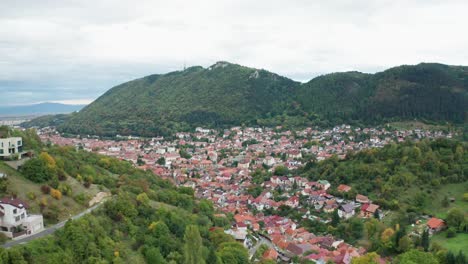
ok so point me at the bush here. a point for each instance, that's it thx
(65, 189)
(451, 232)
(3, 238)
(80, 198)
(45, 189)
(31, 196)
(56, 194)
(465, 197)
(61, 175)
(39, 169)
(43, 203)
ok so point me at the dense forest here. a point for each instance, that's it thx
(226, 94)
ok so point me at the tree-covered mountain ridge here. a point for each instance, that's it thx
(227, 94)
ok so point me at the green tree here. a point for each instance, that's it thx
(369, 258)
(161, 161)
(455, 218)
(193, 246)
(153, 255)
(425, 240)
(404, 244)
(37, 170)
(335, 218)
(281, 170)
(445, 201)
(233, 253)
(415, 257)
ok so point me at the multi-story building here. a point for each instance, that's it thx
(11, 146)
(15, 220)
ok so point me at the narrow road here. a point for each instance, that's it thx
(51, 229)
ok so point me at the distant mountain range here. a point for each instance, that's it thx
(39, 109)
(227, 94)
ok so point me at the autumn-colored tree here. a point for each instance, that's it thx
(55, 194)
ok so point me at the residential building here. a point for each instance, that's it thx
(435, 225)
(346, 211)
(11, 146)
(15, 220)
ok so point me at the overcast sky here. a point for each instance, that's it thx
(73, 51)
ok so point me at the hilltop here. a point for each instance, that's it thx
(227, 94)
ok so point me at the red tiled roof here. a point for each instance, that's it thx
(270, 254)
(435, 223)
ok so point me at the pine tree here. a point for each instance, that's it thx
(425, 240)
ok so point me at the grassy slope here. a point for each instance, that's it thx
(460, 242)
(67, 205)
(455, 244)
(434, 207)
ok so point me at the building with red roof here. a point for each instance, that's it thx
(435, 225)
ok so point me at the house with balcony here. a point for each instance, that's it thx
(11, 146)
(15, 221)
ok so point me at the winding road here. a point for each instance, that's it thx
(51, 229)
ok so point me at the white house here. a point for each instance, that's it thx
(269, 161)
(346, 211)
(15, 220)
(10, 146)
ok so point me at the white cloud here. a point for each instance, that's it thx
(64, 50)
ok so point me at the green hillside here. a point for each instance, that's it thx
(227, 94)
(224, 94)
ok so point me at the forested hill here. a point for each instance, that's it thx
(224, 94)
(433, 92)
(227, 94)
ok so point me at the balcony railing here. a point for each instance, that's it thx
(17, 234)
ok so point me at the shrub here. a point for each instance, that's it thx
(56, 194)
(43, 203)
(45, 189)
(451, 232)
(65, 189)
(61, 175)
(3, 238)
(31, 196)
(80, 198)
(465, 197)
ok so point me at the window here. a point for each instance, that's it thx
(1, 151)
(19, 143)
(17, 218)
(15, 211)
(22, 216)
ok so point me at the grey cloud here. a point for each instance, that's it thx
(77, 49)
